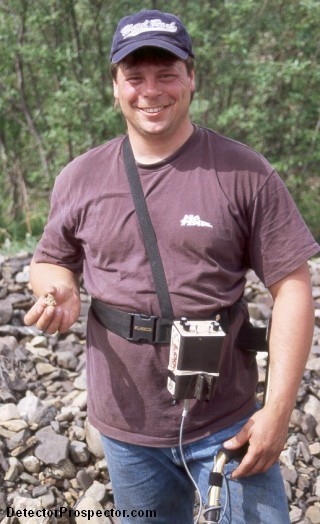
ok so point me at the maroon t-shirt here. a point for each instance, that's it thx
(218, 209)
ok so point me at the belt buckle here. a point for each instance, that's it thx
(143, 328)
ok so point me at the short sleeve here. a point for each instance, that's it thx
(58, 244)
(279, 238)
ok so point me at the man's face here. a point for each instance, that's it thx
(154, 96)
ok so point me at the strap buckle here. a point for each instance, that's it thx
(150, 329)
(142, 328)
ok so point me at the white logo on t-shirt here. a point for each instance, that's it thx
(194, 220)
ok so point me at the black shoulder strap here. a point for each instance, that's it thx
(149, 236)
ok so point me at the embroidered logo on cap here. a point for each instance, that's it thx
(131, 30)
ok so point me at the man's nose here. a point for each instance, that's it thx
(151, 87)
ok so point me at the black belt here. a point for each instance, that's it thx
(138, 327)
(135, 327)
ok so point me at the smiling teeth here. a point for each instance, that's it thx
(153, 109)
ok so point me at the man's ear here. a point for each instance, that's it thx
(192, 85)
(193, 81)
(115, 90)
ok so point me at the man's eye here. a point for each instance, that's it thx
(134, 79)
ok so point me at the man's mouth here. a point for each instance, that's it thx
(152, 109)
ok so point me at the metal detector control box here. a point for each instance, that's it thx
(194, 361)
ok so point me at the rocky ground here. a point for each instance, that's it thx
(51, 458)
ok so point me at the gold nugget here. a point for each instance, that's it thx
(49, 300)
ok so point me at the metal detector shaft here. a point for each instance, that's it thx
(213, 512)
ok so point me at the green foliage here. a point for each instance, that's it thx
(258, 81)
(260, 84)
(12, 247)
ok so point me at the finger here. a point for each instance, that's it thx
(46, 318)
(55, 321)
(253, 464)
(238, 440)
(34, 314)
(246, 467)
(61, 322)
(66, 322)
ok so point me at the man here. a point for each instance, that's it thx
(218, 208)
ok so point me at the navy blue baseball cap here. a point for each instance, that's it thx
(150, 28)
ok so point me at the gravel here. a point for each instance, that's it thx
(51, 458)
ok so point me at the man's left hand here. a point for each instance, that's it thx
(266, 433)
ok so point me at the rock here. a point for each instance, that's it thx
(29, 479)
(296, 418)
(317, 487)
(314, 448)
(85, 481)
(295, 515)
(308, 425)
(28, 406)
(23, 276)
(3, 503)
(44, 368)
(94, 442)
(3, 462)
(15, 468)
(67, 359)
(80, 400)
(304, 483)
(97, 491)
(8, 342)
(79, 452)
(288, 490)
(30, 506)
(52, 448)
(89, 504)
(313, 514)
(43, 417)
(81, 381)
(9, 412)
(313, 364)
(302, 450)
(31, 464)
(288, 457)
(48, 499)
(21, 442)
(289, 474)
(65, 469)
(39, 341)
(6, 312)
(67, 413)
(77, 433)
(312, 406)
(14, 425)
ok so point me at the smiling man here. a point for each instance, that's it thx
(154, 91)
(217, 208)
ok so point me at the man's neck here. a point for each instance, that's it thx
(153, 149)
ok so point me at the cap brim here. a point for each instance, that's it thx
(162, 44)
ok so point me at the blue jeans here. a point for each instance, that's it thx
(145, 478)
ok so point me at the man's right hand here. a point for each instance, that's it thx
(55, 318)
